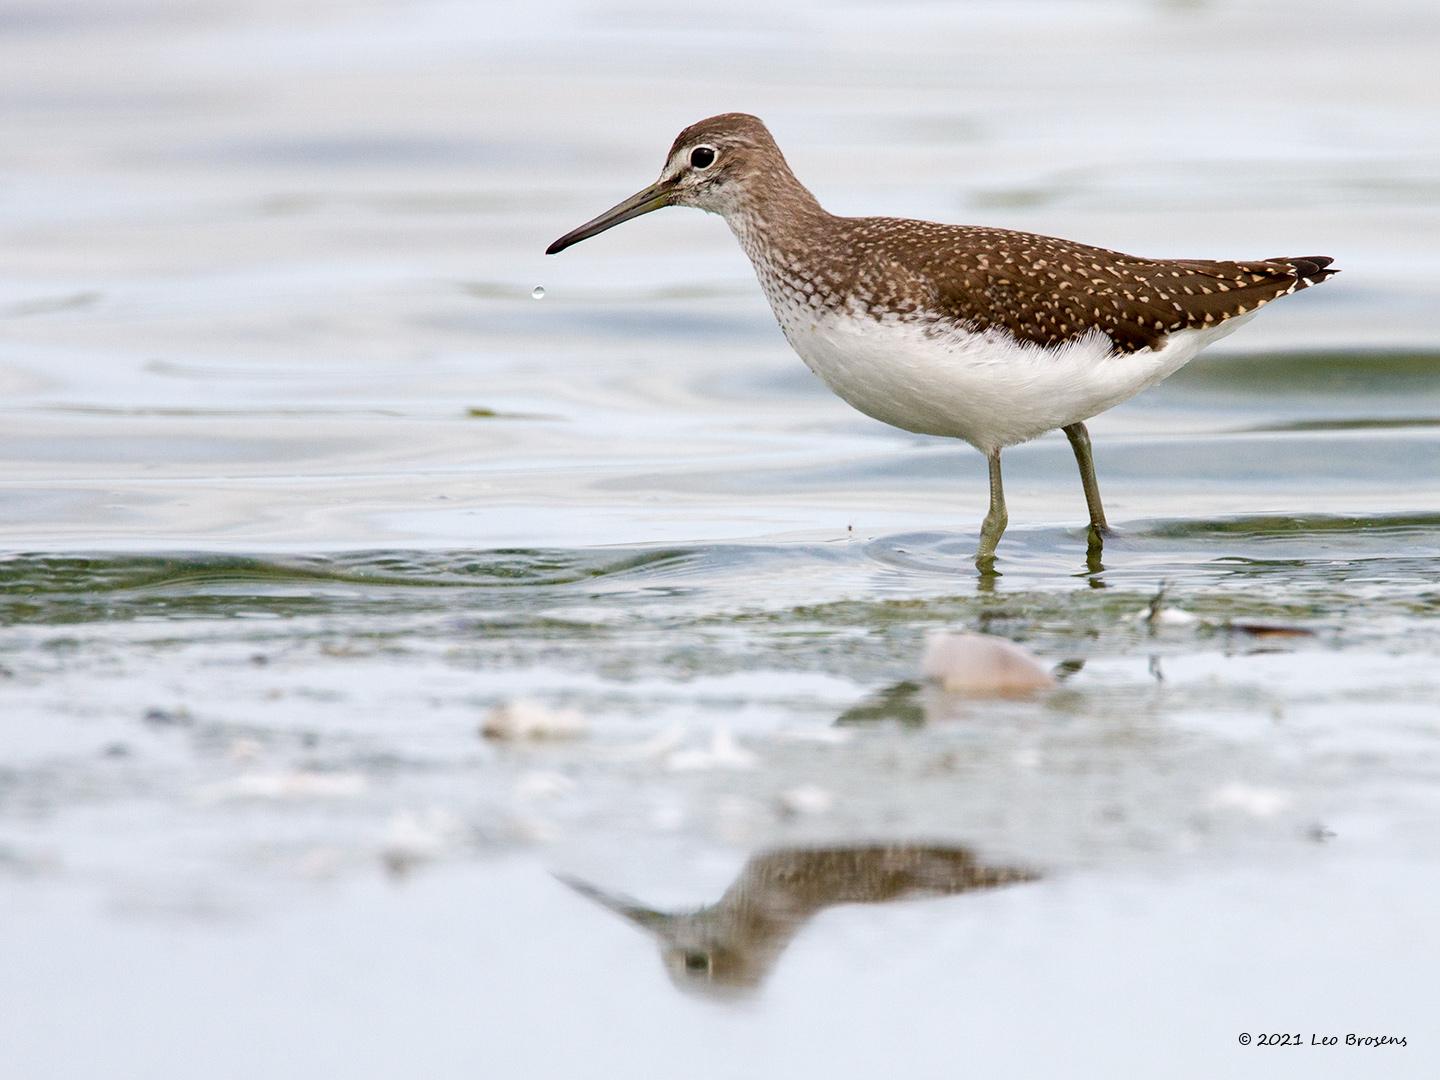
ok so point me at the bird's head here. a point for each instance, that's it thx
(713, 165)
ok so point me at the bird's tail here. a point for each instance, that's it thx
(1308, 269)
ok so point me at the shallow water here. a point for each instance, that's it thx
(298, 482)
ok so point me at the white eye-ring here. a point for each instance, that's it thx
(702, 157)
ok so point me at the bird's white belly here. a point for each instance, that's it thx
(986, 388)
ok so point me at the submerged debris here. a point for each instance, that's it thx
(1166, 616)
(982, 664)
(244, 749)
(805, 801)
(1155, 614)
(301, 784)
(535, 786)
(656, 746)
(1258, 802)
(668, 747)
(410, 838)
(512, 721)
(178, 717)
(723, 753)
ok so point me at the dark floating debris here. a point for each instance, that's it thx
(484, 412)
(1255, 629)
(1157, 614)
(179, 717)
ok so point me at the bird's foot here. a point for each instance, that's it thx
(985, 564)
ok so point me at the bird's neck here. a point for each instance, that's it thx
(777, 220)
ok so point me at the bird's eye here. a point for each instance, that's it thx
(702, 157)
(697, 962)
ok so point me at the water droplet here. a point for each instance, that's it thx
(538, 292)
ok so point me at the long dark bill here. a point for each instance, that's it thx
(642, 202)
(643, 917)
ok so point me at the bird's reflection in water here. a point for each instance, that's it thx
(729, 948)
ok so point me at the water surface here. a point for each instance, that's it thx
(298, 483)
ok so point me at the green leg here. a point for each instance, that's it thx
(995, 520)
(1080, 443)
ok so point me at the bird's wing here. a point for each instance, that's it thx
(1047, 291)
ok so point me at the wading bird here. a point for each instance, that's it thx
(981, 334)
